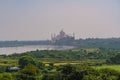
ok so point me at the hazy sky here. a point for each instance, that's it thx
(37, 19)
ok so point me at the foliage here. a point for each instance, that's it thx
(32, 67)
(3, 69)
(75, 54)
(109, 74)
(114, 67)
(25, 60)
(67, 69)
(114, 60)
(6, 76)
(55, 76)
(30, 72)
(99, 42)
(82, 72)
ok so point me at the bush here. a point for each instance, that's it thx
(6, 76)
(30, 72)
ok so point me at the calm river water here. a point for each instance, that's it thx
(21, 49)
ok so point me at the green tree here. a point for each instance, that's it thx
(51, 66)
(30, 72)
(114, 60)
(6, 76)
(67, 69)
(109, 74)
(92, 77)
(53, 76)
(25, 60)
(82, 71)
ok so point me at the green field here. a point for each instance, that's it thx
(115, 67)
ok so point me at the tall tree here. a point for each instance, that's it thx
(25, 60)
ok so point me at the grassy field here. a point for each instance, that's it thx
(63, 62)
(8, 62)
(115, 67)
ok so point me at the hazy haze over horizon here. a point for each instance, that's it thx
(38, 19)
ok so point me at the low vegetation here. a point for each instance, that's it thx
(75, 64)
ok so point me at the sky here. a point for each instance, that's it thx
(38, 19)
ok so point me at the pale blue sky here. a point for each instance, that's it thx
(37, 19)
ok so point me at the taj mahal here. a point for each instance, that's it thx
(62, 36)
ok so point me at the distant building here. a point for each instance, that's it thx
(62, 37)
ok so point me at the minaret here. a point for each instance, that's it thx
(51, 36)
(74, 35)
(54, 35)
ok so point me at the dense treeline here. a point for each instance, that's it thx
(75, 54)
(97, 42)
(81, 43)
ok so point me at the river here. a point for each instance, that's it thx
(21, 49)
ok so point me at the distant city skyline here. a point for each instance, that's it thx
(38, 19)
